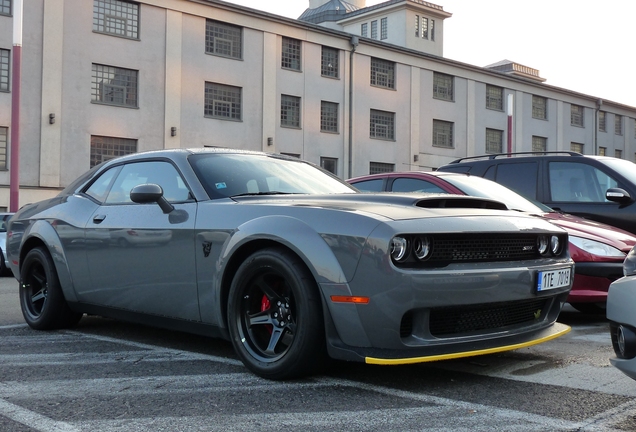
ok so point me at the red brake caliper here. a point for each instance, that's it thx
(265, 305)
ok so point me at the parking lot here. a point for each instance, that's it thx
(111, 376)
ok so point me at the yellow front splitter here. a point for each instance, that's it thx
(558, 330)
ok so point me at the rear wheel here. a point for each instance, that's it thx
(41, 299)
(275, 316)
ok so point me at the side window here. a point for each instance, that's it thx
(99, 189)
(520, 177)
(375, 185)
(577, 182)
(415, 185)
(161, 173)
(490, 172)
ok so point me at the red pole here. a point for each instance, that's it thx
(16, 79)
(509, 112)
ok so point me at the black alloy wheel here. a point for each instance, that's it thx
(275, 316)
(41, 298)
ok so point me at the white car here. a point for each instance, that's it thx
(621, 303)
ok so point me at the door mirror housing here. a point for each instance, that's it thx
(618, 195)
(150, 193)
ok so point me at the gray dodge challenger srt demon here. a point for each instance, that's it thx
(289, 263)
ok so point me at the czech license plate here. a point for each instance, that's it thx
(553, 279)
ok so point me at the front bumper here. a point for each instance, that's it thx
(621, 301)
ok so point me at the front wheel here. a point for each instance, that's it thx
(41, 299)
(275, 316)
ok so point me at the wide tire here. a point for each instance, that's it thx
(275, 316)
(41, 299)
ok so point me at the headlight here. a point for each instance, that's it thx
(399, 248)
(629, 265)
(555, 245)
(596, 248)
(422, 247)
(542, 244)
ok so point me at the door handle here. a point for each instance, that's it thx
(99, 218)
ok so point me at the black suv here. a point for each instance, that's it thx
(595, 187)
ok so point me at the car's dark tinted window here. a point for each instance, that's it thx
(520, 177)
(490, 172)
(578, 182)
(461, 168)
(374, 185)
(414, 185)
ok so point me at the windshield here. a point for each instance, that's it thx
(480, 187)
(624, 167)
(230, 175)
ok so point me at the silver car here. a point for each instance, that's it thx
(4, 260)
(289, 263)
(621, 304)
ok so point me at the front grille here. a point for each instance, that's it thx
(453, 321)
(492, 247)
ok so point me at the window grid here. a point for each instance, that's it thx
(382, 73)
(384, 28)
(494, 141)
(618, 154)
(494, 98)
(576, 115)
(364, 29)
(290, 111)
(291, 54)
(116, 17)
(432, 29)
(443, 86)
(330, 62)
(424, 28)
(374, 29)
(442, 134)
(618, 124)
(380, 167)
(539, 144)
(222, 101)
(602, 151)
(382, 125)
(223, 39)
(104, 148)
(330, 164)
(4, 141)
(417, 26)
(4, 70)
(5, 7)
(539, 107)
(113, 85)
(602, 121)
(328, 116)
(576, 147)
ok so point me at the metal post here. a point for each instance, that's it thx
(509, 111)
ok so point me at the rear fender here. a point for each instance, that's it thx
(42, 233)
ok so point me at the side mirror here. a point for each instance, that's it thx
(618, 195)
(150, 193)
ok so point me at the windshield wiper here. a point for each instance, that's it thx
(263, 193)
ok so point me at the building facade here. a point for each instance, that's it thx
(357, 90)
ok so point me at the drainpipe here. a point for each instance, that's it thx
(599, 103)
(354, 44)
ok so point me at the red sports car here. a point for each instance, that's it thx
(597, 249)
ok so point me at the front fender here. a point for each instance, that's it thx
(41, 232)
(297, 236)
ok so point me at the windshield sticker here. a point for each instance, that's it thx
(221, 185)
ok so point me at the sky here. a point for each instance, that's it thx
(583, 46)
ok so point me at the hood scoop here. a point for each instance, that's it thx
(461, 202)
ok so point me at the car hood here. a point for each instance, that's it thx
(589, 229)
(387, 205)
